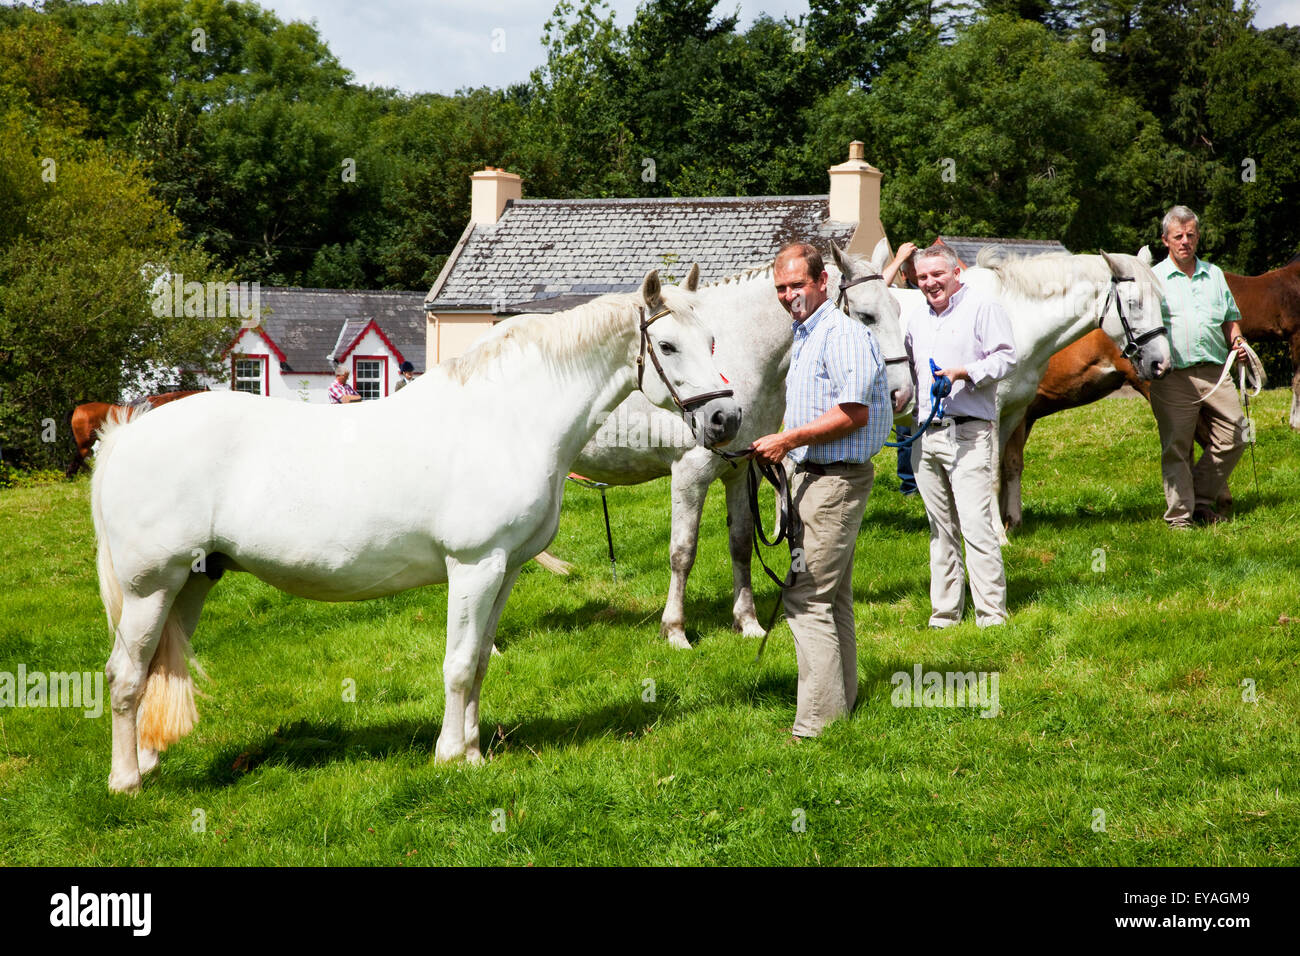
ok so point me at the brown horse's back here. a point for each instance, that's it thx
(1269, 304)
(86, 420)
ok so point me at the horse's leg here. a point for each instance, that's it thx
(1013, 466)
(689, 489)
(472, 751)
(472, 590)
(185, 611)
(740, 538)
(1004, 438)
(138, 631)
(1295, 381)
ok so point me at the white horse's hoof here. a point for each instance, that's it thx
(751, 628)
(473, 757)
(676, 637)
(443, 754)
(148, 760)
(124, 783)
(495, 652)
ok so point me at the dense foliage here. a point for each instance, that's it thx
(245, 144)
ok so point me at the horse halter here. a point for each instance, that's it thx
(1133, 341)
(647, 345)
(842, 302)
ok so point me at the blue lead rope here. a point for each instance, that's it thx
(940, 390)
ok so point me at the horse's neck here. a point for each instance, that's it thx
(748, 310)
(561, 403)
(1044, 327)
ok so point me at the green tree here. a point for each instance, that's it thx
(81, 241)
(1007, 132)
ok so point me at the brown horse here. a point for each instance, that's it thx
(86, 420)
(1093, 367)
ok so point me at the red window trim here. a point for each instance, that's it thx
(383, 362)
(266, 370)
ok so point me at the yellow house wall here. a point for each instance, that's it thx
(448, 336)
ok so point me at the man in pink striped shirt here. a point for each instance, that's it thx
(341, 393)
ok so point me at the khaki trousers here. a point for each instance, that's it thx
(1180, 405)
(819, 605)
(954, 467)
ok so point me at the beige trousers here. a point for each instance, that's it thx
(954, 467)
(819, 604)
(1179, 403)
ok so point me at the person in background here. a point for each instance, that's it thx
(341, 393)
(906, 479)
(1204, 326)
(408, 375)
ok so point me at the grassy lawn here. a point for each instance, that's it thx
(1125, 734)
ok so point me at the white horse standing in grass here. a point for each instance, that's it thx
(753, 352)
(457, 478)
(1053, 300)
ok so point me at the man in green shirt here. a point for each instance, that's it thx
(1202, 319)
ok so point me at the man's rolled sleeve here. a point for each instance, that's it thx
(852, 368)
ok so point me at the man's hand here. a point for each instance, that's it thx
(1236, 342)
(772, 448)
(954, 375)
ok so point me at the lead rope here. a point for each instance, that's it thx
(789, 528)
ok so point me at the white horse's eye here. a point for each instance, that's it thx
(667, 348)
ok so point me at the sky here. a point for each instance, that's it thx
(440, 46)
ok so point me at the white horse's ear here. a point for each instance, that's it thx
(651, 291)
(1144, 256)
(692, 278)
(1112, 264)
(880, 255)
(842, 260)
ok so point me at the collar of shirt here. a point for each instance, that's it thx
(953, 302)
(1169, 268)
(806, 327)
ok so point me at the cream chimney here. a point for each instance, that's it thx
(490, 188)
(855, 197)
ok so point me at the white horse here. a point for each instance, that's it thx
(753, 352)
(1053, 300)
(457, 478)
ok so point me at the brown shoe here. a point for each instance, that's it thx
(1207, 516)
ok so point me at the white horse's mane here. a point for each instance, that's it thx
(758, 272)
(1049, 274)
(583, 328)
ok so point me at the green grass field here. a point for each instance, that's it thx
(1126, 735)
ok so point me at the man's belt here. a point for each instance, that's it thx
(822, 469)
(964, 419)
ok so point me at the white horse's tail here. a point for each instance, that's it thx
(110, 589)
(167, 712)
(553, 564)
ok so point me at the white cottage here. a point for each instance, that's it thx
(305, 333)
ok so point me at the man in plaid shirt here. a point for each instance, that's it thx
(340, 392)
(837, 417)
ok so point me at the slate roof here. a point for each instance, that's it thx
(580, 248)
(968, 247)
(312, 325)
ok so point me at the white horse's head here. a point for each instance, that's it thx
(1132, 315)
(863, 294)
(676, 361)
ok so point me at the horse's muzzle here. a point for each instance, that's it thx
(717, 421)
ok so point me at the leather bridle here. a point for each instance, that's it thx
(1133, 341)
(842, 303)
(647, 345)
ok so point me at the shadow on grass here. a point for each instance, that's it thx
(310, 743)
